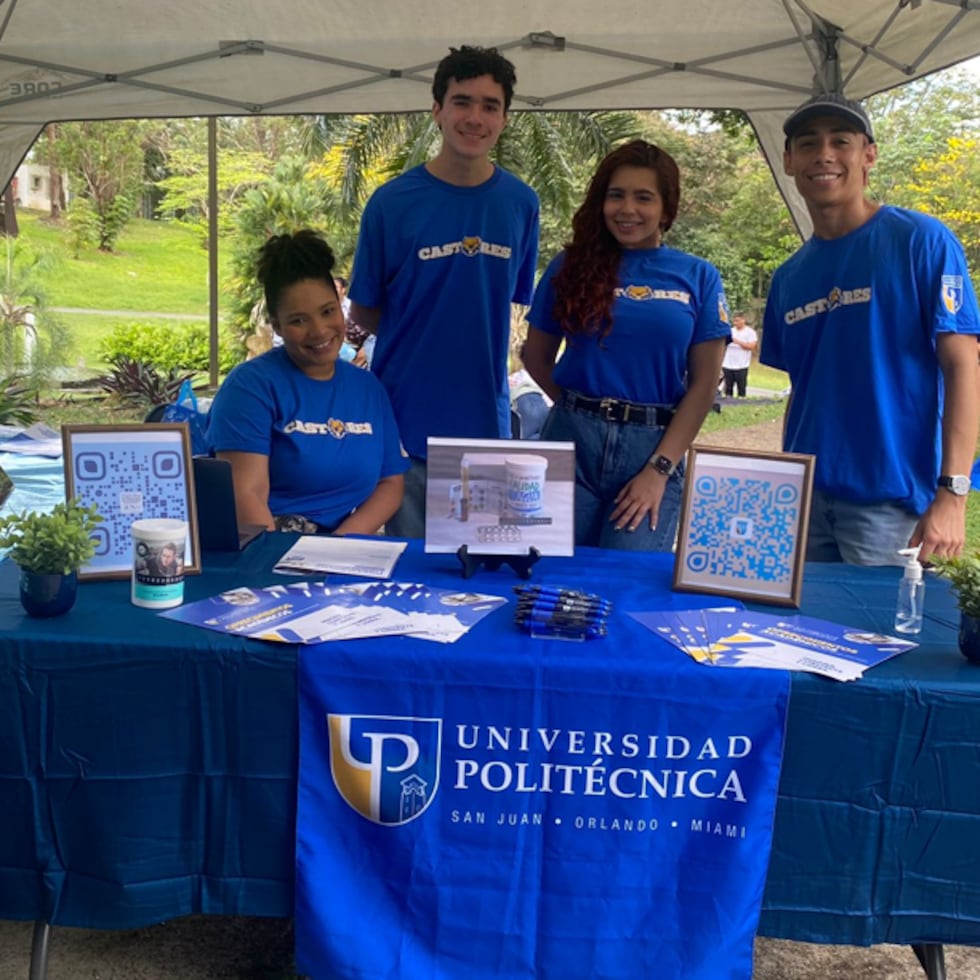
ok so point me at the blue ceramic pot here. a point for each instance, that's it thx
(970, 638)
(44, 595)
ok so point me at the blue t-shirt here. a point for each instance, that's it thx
(444, 263)
(328, 442)
(666, 302)
(853, 320)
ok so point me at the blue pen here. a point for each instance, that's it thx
(554, 591)
(588, 634)
(548, 589)
(563, 597)
(552, 607)
(563, 613)
(546, 620)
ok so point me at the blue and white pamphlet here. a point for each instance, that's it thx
(372, 557)
(730, 637)
(314, 612)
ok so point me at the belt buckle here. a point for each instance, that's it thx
(606, 408)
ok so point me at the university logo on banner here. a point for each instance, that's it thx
(385, 767)
(953, 293)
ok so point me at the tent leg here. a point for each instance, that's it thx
(39, 950)
(930, 955)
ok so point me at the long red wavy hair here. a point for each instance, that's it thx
(584, 285)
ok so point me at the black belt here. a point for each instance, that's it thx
(614, 410)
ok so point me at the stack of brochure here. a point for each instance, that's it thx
(729, 637)
(372, 557)
(313, 612)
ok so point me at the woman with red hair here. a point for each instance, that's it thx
(644, 327)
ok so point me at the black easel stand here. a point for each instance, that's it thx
(520, 563)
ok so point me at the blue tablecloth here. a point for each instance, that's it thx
(148, 769)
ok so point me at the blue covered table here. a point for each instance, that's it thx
(148, 769)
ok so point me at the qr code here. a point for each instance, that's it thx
(127, 484)
(742, 528)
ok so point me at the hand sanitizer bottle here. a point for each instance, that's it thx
(911, 594)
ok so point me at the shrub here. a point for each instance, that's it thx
(83, 226)
(136, 381)
(17, 401)
(167, 347)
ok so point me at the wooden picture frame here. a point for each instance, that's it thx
(743, 525)
(131, 472)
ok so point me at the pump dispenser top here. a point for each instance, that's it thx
(913, 569)
(911, 593)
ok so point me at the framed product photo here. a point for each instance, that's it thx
(500, 496)
(131, 473)
(743, 525)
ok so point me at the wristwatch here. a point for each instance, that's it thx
(958, 484)
(663, 464)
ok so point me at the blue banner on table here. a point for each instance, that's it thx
(514, 827)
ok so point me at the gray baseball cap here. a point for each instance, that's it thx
(829, 104)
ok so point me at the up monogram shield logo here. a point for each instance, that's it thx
(385, 768)
(953, 293)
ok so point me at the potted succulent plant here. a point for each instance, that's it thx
(49, 548)
(964, 575)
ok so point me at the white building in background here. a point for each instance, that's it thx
(32, 186)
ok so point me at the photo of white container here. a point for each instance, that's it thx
(525, 484)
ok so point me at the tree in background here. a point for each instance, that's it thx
(948, 186)
(292, 198)
(105, 164)
(912, 125)
(248, 150)
(31, 339)
(731, 212)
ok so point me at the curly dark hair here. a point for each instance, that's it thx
(471, 62)
(288, 259)
(590, 272)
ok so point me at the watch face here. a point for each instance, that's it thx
(960, 485)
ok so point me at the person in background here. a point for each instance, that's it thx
(738, 356)
(444, 249)
(312, 441)
(874, 320)
(644, 327)
(528, 403)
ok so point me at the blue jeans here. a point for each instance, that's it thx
(532, 410)
(859, 534)
(607, 456)
(409, 520)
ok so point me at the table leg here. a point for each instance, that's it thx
(39, 951)
(930, 955)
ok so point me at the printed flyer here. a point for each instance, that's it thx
(313, 612)
(729, 637)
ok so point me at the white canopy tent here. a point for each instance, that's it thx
(103, 59)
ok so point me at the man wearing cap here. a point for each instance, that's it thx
(875, 320)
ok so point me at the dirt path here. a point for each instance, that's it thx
(232, 948)
(764, 437)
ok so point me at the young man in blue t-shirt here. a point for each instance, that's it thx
(874, 319)
(444, 249)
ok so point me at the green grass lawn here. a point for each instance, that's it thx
(761, 376)
(158, 266)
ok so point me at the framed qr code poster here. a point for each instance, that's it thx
(743, 525)
(130, 472)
